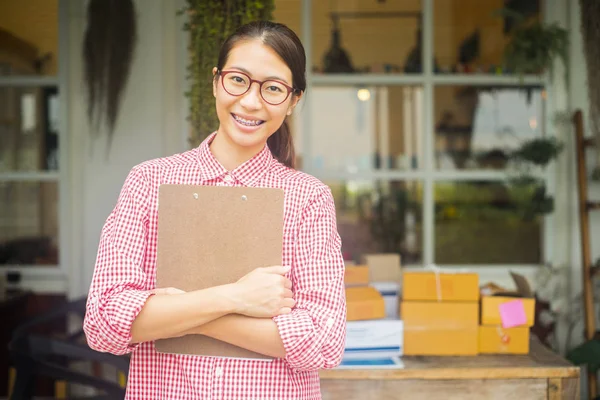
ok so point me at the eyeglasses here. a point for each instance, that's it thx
(238, 83)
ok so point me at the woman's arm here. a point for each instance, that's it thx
(119, 287)
(313, 334)
(122, 309)
(263, 292)
(255, 334)
(168, 316)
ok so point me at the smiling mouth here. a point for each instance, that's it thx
(247, 122)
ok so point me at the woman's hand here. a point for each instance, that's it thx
(264, 293)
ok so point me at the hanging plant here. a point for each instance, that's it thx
(539, 151)
(590, 30)
(535, 153)
(108, 49)
(209, 23)
(534, 45)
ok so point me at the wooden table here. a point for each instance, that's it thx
(540, 375)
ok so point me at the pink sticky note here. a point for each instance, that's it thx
(512, 313)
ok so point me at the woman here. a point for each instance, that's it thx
(295, 314)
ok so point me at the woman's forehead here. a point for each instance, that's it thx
(259, 60)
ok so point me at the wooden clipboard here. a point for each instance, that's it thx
(210, 236)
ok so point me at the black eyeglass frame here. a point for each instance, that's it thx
(290, 89)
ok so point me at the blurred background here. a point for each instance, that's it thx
(423, 116)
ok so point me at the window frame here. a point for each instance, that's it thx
(55, 276)
(427, 174)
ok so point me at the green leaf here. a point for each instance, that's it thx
(209, 22)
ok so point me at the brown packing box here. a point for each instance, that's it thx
(383, 267)
(385, 274)
(497, 340)
(440, 328)
(364, 303)
(490, 312)
(441, 286)
(490, 309)
(356, 275)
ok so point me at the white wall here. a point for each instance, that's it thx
(150, 125)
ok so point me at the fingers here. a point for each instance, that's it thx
(287, 293)
(287, 283)
(276, 269)
(288, 303)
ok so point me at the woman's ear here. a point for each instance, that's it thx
(294, 103)
(214, 72)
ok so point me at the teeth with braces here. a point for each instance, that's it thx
(247, 122)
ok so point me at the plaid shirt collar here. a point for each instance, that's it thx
(248, 173)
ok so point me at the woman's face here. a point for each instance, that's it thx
(248, 120)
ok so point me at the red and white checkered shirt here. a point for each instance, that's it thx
(125, 273)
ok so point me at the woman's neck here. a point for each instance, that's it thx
(230, 155)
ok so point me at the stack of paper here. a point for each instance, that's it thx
(372, 363)
(373, 339)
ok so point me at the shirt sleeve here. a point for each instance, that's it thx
(314, 333)
(119, 285)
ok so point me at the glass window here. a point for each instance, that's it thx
(471, 35)
(366, 36)
(478, 127)
(29, 133)
(29, 37)
(485, 223)
(362, 128)
(368, 105)
(28, 128)
(29, 223)
(379, 216)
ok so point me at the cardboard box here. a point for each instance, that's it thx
(442, 286)
(383, 267)
(440, 328)
(490, 309)
(391, 297)
(374, 339)
(497, 340)
(356, 275)
(490, 305)
(384, 274)
(364, 303)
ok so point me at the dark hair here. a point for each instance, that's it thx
(288, 46)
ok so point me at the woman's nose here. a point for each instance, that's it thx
(251, 99)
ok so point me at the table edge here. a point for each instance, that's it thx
(452, 373)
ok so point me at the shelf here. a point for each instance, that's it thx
(28, 81)
(320, 79)
(29, 176)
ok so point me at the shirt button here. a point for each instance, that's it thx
(228, 178)
(218, 372)
(330, 322)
